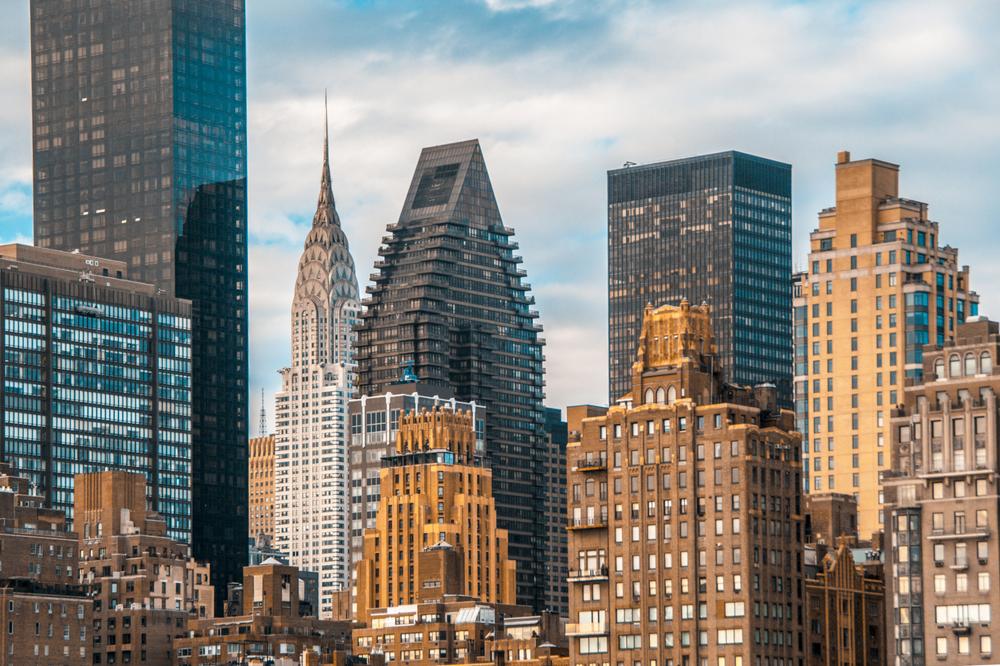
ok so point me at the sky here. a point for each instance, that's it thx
(558, 92)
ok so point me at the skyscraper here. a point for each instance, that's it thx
(879, 287)
(311, 512)
(715, 229)
(139, 109)
(686, 514)
(97, 375)
(448, 299)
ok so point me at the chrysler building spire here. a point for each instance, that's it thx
(326, 207)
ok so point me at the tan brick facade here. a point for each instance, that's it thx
(880, 285)
(261, 487)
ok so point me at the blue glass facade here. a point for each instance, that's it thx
(715, 228)
(94, 379)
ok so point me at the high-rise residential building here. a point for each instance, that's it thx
(880, 286)
(435, 584)
(311, 513)
(448, 300)
(97, 375)
(145, 585)
(261, 487)
(942, 546)
(437, 521)
(374, 426)
(845, 607)
(686, 514)
(140, 153)
(556, 561)
(714, 229)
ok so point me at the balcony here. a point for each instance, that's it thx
(591, 465)
(961, 564)
(588, 575)
(588, 523)
(587, 629)
(960, 534)
(961, 627)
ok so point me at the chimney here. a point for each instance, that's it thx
(843, 157)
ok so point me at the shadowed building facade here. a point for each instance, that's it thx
(139, 109)
(715, 229)
(448, 300)
(144, 585)
(685, 514)
(845, 610)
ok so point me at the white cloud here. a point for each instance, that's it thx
(560, 95)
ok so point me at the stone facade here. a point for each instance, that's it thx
(943, 554)
(311, 511)
(686, 514)
(270, 629)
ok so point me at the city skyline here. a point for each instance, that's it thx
(808, 107)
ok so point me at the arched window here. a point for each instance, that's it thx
(985, 363)
(954, 366)
(671, 395)
(939, 368)
(970, 365)
(648, 396)
(661, 395)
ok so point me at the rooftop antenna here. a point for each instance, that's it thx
(263, 416)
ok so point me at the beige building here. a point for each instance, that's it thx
(261, 487)
(686, 514)
(880, 286)
(943, 553)
(435, 584)
(436, 531)
(145, 586)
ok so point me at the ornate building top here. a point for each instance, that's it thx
(326, 282)
(671, 334)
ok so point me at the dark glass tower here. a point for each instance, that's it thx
(716, 228)
(448, 298)
(139, 109)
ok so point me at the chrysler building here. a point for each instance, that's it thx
(311, 509)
